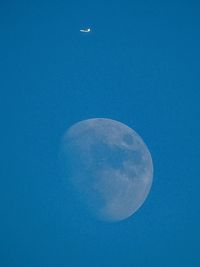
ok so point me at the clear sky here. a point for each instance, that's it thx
(140, 66)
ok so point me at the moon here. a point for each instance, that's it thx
(108, 166)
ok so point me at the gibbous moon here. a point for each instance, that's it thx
(108, 166)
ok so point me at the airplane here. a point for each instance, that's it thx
(85, 30)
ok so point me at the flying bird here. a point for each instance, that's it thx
(85, 30)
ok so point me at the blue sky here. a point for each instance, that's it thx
(139, 65)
